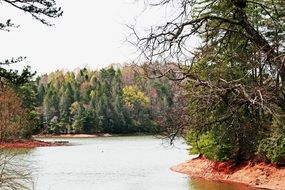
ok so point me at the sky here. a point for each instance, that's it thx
(91, 33)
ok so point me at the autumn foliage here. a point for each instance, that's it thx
(12, 115)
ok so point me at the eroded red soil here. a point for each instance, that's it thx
(25, 144)
(259, 175)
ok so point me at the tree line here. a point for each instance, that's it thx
(108, 101)
(231, 106)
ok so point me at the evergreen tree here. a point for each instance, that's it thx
(235, 79)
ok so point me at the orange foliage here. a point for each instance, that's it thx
(11, 112)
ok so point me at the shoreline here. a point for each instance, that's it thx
(28, 144)
(258, 175)
(74, 135)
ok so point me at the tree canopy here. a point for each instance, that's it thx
(235, 79)
(109, 101)
(41, 10)
(18, 117)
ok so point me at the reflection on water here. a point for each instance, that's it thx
(201, 184)
(113, 163)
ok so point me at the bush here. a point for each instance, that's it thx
(273, 148)
(213, 144)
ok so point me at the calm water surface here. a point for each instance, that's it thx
(114, 163)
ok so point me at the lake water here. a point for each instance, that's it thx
(114, 163)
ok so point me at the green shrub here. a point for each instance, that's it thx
(213, 144)
(273, 148)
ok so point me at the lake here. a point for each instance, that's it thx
(114, 163)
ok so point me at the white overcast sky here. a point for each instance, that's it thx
(91, 33)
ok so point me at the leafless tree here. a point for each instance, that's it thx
(235, 77)
(265, 61)
(14, 171)
(173, 120)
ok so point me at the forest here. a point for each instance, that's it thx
(226, 97)
(211, 72)
(109, 100)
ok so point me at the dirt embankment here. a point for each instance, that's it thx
(258, 175)
(27, 144)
